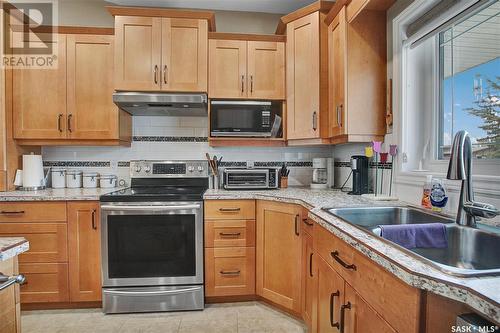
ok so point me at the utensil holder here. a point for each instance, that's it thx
(284, 182)
(213, 182)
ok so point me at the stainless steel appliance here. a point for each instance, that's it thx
(152, 239)
(162, 104)
(359, 167)
(322, 173)
(246, 118)
(250, 179)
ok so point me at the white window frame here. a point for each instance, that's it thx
(486, 173)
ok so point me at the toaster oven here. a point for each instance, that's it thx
(250, 179)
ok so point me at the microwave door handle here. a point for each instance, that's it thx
(149, 208)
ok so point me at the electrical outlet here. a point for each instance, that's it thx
(250, 164)
(404, 158)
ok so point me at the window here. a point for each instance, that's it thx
(469, 80)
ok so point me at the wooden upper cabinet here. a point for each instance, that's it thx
(39, 97)
(84, 239)
(266, 70)
(227, 69)
(337, 50)
(184, 54)
(279, 250)
(138, 53)
(91, 112)
(303, 77)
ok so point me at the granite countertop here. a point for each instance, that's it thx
(12, 246)
(480, 293)
(57, 194)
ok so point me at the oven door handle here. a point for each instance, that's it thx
(149, 293)
(149, 208)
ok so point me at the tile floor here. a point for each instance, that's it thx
(244, 317)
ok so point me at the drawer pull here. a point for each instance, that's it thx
(342, 315)
(297, 224)
(229, 209)
(12, 212)
(230, 234)
(335, 255)
(332, 305)
(94, 225)
(311, 264)
(230, 272)
(306, 221)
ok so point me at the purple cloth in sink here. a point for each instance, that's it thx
(410, 236)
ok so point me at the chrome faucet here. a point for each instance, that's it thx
(460, 168)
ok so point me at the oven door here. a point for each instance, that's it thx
(145, 244)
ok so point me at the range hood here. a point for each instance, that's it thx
(162, 104)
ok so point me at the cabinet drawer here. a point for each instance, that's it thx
(44, 283)
(230, 271)
(229, 233)
(230, 209)
(48, 241)
(33, 211)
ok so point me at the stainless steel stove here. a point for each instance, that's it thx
(152, 239)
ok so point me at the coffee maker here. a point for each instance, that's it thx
(322, 173)
(359, 167)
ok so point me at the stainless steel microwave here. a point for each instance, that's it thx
(233, 118)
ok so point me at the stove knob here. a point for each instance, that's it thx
(147, 169)
(190, 168)
(200, 168)
(137, 168)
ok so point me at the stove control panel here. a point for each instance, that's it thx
(168, 169)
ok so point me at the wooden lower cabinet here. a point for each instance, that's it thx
(279, 250)
(309, 281)
(330, 297)
(10, 310)
(45, 282)
(84, 239)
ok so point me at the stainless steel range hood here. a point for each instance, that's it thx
(162, 104)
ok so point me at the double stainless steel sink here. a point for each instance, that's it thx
(470, 252)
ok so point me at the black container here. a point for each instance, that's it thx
(359, 166)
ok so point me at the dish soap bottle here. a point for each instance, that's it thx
(426, 194)
(439, 199)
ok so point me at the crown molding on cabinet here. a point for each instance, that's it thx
(247, 37)
(321, 6)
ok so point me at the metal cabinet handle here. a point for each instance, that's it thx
(230, 272)
(155, 74)
(306, 221)
(165, 69)
(94, 224)
(12, 212)
(311, 264)
(59, 126)
(335, 255)
(6, 281)
(297, 224)
(332, 305)
(230, 234)
(70, 116)
(315, 120)
(236, 209)
(339, 115)
(251, 83)
(342, 315)
(242, 83)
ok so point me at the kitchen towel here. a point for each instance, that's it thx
(410, 236)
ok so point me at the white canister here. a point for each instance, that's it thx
(90, 179)
(58, 176)
(73, 179)
(108, 180)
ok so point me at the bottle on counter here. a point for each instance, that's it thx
(426, 193)
(439, 199)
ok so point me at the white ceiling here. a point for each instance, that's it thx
(263, 6)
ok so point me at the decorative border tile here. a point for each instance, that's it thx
(170, 139)
(78, 164)
(123, 164)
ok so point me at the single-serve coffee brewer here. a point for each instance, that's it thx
(359, 167)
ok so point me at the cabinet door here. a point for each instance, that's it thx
(330, 298)
(137, 53)
(337, 36)
(9, 298)
(266, 70)
(46, 282)
(360, 317)
(279, 249)
(227, 68)
(39, 98)
(91, 111)
(302, 67)
(309, 281)
(84, 251)
(184, 54)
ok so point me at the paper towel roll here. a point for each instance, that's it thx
(33, 171)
